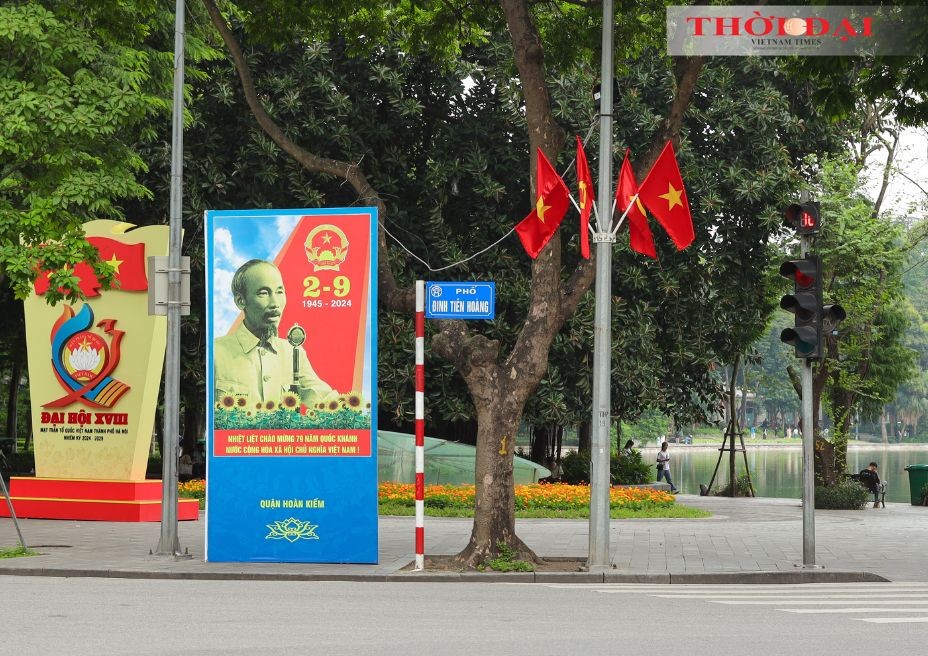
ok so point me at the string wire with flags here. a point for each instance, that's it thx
(429, 267)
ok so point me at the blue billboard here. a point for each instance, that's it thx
(291, 385)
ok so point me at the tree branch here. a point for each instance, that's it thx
(393, 297)
(887, 170)
(686, 72)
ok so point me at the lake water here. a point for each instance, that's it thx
(777, 471)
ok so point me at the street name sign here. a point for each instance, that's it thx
(460, 300)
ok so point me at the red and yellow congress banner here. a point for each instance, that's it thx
(95, 365)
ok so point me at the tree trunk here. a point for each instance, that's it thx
(192, 427)
(733, 427)
(12, 399)
(584, 437)
(538, 451)
(883, 433)
(28, 444)
(494, 511)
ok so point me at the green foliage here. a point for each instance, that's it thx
(638, 511)
(911, 403)
(863, 258)
(743, 487)
(630, 469)
(575, 468)
(21, 463)
(340, 417)
(845, 495)
(623, 470)
(506, 561)
(673, 321)
(647, 427)
(16, 552)
(72, 100)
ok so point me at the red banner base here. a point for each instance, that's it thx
(81, 499)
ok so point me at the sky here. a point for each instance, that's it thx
(912, 160)
(235, 243)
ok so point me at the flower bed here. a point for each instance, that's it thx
(541, 496)
(193, 489)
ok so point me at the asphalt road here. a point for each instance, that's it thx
(102, 617)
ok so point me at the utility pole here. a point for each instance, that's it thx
(602, 326)
(169, 544)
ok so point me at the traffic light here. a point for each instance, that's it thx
(812, 318)
(806, 304)
(804, 217)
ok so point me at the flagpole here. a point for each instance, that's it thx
(598, 559)
(618, 224)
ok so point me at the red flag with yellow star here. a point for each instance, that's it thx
(551, 202)
(662, 192)
(586, 192)
(640, 238)
(126, 260)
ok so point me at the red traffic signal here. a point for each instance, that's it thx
(804, 218)
(805, 303)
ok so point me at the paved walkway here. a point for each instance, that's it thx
(745, 540)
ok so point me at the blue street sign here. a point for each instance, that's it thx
(460, 300)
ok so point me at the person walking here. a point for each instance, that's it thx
(663, 466)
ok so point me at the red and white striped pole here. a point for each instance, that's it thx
(420, 425)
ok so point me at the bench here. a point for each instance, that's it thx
(881, 493)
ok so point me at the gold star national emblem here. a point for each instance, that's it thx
(326, 247)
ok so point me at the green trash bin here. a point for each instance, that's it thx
(918, 479)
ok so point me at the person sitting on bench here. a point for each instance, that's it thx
(870, 479)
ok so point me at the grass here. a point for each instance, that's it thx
(506, 561)
(16, 552)
(673, 512)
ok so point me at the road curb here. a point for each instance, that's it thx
(592, 578)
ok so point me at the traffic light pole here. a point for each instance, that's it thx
(808, 452)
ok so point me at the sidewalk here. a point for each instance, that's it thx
(745, 541)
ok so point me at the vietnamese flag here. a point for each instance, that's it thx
(551, 202)
(640, 238)
(586, 193)
(126, 260)
(662, 192)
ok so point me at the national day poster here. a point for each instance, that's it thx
(291, 385)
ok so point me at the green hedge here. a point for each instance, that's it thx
(624, 470)
(847, 495)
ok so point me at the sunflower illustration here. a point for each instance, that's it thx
(290, 401)
(227, 401)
